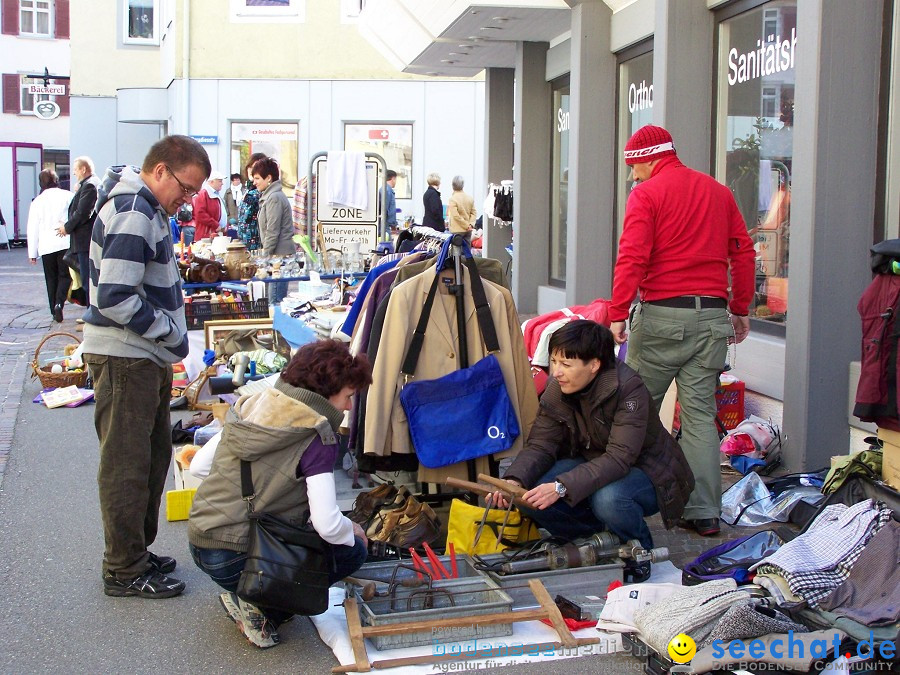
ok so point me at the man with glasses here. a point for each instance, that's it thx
(134, 331)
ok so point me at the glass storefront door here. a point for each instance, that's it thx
(559, 196)
(754, 138)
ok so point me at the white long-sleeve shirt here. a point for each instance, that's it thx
(48, 211)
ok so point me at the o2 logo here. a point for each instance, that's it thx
(494, 432)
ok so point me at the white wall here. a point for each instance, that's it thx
(93, 130)
(447, 118)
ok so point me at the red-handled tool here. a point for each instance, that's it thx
(439, 570)
(454, 572)
(418, 563)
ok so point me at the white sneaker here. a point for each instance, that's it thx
(250, 621)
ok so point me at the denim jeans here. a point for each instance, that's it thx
(132, 420)
(619, 507)
(188, 233)
(224, 567)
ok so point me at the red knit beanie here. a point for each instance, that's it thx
(648, 143)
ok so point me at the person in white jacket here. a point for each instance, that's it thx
(50, 210)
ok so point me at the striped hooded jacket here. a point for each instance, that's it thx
(137, 309)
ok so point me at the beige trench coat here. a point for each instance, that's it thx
(387, 429)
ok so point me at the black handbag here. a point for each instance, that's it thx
(287, 566)
(71, 259)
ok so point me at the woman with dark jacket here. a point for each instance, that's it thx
(434, 208)
(598, 456)
(248, 211)
(289, 435)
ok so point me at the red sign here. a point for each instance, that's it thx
(379, 134)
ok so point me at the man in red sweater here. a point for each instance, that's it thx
(683, 233)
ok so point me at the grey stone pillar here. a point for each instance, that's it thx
(832, 202)
(531, 210)
(682, 85)
(592, 144)
(499, 85)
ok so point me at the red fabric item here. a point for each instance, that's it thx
(597, 311)
(875, 402)
(206, 215)
(613, 586)
(682, 227)
(572, 624)
(540, 379)
(476, 242)
(648, 143)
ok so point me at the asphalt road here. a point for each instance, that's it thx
(54, 616)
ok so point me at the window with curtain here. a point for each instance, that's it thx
(34, 17)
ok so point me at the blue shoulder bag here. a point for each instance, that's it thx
(467, 413)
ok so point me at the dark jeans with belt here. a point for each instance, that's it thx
(619, 507)
(132, 421)
(56, 274)
(224, 567)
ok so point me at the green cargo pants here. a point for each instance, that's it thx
(689, 346)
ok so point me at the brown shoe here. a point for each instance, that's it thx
(368, 503)
(385, 521)
(417, 525)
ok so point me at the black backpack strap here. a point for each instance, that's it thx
(482, 308)
(482, 311)
(247, 493)
(415, 345)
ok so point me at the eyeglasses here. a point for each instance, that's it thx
(188, 191)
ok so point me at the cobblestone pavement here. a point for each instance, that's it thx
(24, 320)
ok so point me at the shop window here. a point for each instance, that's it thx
(141, 22)
(754, 138)
(392, 141)
(267, 11)
(34, 17)
(277, 140)
(559, 196)
(635, 109)
(27, 99)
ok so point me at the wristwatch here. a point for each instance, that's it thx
(560, 489)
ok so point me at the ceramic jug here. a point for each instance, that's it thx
(235, 258)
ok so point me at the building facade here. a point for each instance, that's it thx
(791, 103)
(290, 79)
(34, 134)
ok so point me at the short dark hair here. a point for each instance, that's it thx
(177, 152)
(254, 158)
(265, 167)
(390, 173)
(325, 367)
(585, 340)
(235, 175)
(48, 179)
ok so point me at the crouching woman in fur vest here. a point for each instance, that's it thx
(289, 434)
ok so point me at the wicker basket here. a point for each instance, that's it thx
(64, 379)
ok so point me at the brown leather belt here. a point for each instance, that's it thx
(690, 302)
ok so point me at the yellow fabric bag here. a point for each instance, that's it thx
(463, 524)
